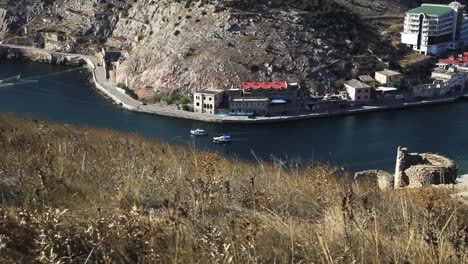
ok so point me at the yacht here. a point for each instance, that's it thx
(222, 139)
(198, 132)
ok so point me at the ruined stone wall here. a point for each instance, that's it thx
(434, 170)
(416, 170)
(413, 170)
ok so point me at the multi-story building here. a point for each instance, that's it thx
(452, 75)
(264, 98)
(388, 77)
(436, 29)
(437, 88)
(358, 92)
(207, 101)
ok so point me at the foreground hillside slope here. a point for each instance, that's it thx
(80, 195)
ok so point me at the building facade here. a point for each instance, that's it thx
(249, 106)
(452, 75)
(264, 98)
(358, 92)
(207, 101)
(388, 78)
(436, 29)
(437, 88)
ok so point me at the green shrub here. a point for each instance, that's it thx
(128, 91)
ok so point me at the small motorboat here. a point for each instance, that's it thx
(222, 139)
(198, 132)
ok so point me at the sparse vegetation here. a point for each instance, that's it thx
(169, 98)
(80, 195)
(128, 91)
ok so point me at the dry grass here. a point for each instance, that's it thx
(73, 195)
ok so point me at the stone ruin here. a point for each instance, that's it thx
(413, 170)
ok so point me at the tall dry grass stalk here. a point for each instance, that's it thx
(74, 195)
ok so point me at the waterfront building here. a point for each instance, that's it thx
(249, 106)
(436, 29)
(389, 94)
(437, 88)
(454, 77)
(358, 92)
(110, 59)
(264, 98)
(461, 58)
(207, 101)
(388, 78)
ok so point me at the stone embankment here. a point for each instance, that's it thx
(413, 170)
(127, 102)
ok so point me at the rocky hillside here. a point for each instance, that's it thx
(185, 45)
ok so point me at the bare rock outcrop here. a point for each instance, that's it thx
(380, 178)
(182, 46)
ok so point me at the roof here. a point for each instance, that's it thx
(250, 99)
(435, 10)
(355, 84)
(278, 101)
(462, 58)
(264, 85)
(388, 72)
(386, 89)
(210, 91)
(366, 78)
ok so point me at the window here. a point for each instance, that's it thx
(359, 97)
(210, 98)
(366, 97)
(198, 104)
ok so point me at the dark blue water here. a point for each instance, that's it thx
(354, 142)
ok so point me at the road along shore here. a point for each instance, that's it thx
(11, 52)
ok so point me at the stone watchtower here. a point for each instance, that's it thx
(416, 170)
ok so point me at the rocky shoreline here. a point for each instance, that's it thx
(102, 84)
(8, 53)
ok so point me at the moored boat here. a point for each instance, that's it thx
(222, 139)
(198, 132)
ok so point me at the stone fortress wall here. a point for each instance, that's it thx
(413, 170)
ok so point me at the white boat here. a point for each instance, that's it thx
(198, 132)
(11, 79)
(222, 139)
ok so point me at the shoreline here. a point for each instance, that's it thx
(125, 101)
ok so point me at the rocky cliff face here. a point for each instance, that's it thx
(196, 44)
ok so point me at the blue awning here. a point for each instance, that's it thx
(278, 101)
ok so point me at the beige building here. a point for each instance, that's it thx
(248, 106)
(207, 101)
(437, 88)
(358, 92)
(264, 98)
(388, 78)
(455, 77)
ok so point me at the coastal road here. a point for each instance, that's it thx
(127, 102)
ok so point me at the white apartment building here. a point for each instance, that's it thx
(436, 29)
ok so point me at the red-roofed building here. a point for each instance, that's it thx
(264, 98)
(264, 85)
(462, 58)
